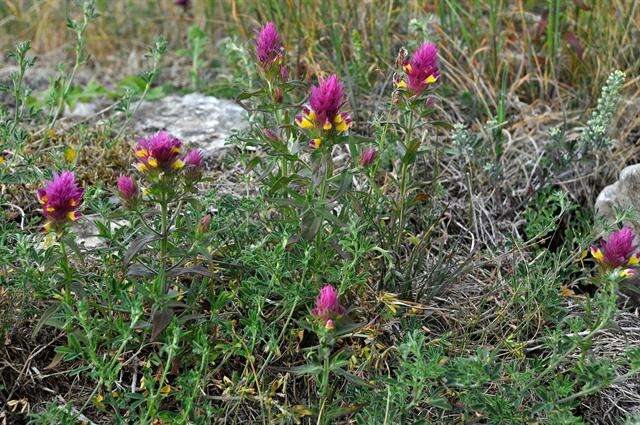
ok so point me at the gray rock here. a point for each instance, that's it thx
(87, 232)
(203, 121)
(81, 110)
(622, 195)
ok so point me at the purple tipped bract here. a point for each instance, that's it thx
(326, 98)
(160, 151)
(60, 199)
(422, 70)
(617, 250)
(327, 304)
(268, 45)
(323, 111)
(368, 155)
(127, 188)
(193, 158)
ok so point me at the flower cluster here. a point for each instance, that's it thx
(159, 152)
(618, 250)
(60, 199)
(421, 71)
(268, 44)
(322, 116)
(328, 306)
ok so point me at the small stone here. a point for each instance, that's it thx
(621, 195)
(87, 232)
(81, 110)
(199, 120)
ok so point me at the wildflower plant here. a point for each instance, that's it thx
(413, 84)
(169, 178)
(61, 200)
(324, 126)
(329, 322)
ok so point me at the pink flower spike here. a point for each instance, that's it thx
(127, 188)
(60, 199)
(323, 112)
(159, 152)
(268, 45)
(194, 158)
(327, 304)
(422, 70)
(327, 98)
(617, 250)
(368, 155)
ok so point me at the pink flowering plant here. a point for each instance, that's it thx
(328, 320)
(269, 107)
(299, 169)
(324, 128)
(61, 200)
(413, 108)
(168, 180)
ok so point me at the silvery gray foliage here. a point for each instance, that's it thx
(595, 135)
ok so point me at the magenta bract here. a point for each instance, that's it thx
(323, 112)
(193, 158)
(60, 199)
(617, 250)
(159, 152)
(327, 304)
(368, 155)
(422, 70)
(127, 188)
(268, 45)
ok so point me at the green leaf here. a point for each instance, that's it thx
(47, 318)
(136, 246)
(308, 369)
(352, 378)
(160, 320)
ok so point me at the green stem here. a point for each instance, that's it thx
(403, 183)
(164, 235)
(324, 386)
(68, 273)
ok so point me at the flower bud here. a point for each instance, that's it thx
(368, 155)
(328, 305)
(193, 164)
(127, 188)
(277, 95)
(284, 73)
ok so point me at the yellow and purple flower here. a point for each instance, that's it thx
(159, 152)
(269, 48)
(323, 113)
(60, 199)
(618, 250)
(421, 71)
(328, 308)
(127, 188)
